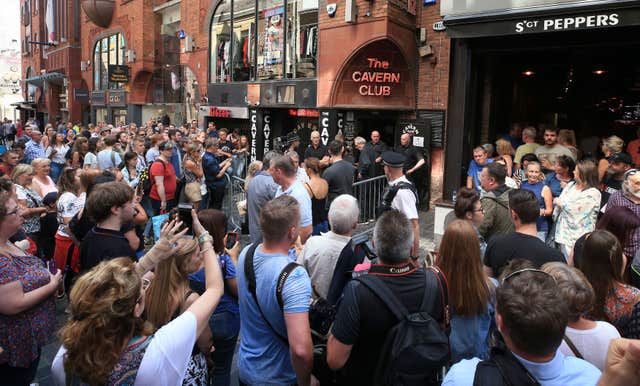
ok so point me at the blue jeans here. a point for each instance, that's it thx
(225, 327)
(56, 170)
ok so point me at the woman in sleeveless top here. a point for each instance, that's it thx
(170, 295)
(318, 189)
(535, 183)
(192, 173)
(106, 342)
(42, 183)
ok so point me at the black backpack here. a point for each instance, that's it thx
(416, 348)
(502, 369)
(390, 194)
(145, 181)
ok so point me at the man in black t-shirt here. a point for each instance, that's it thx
(317, 150)
(524, 242)
(413, 165)
(111, 205)
(339, 175)
(363, 320)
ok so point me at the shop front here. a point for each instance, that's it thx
(109, 106)
(564, 64)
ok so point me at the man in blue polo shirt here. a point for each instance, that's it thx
(283, 171)
(275, 345)
(479, 161)
(532, 316)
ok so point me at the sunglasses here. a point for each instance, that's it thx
(519, 271)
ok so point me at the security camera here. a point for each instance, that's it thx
(331, 9)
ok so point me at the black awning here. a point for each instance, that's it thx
(573, 17)
(50, 76)
(24, 105)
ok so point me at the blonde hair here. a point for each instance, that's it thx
(36, 163)
(169, 285)
(19, 170)
(504, 147)
(567, 137)
(102, 320)
(614, 144)
(252, 170)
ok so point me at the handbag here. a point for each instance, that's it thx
(192, 191)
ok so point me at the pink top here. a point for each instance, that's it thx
(43, 189)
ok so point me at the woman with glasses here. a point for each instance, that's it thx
(27, 307)
(604, 265)
(106, 340)
(471, 292)
(30, 201)
(469, 208)
(576, 210)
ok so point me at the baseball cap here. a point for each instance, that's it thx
(621, 157)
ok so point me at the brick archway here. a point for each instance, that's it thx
(141, 87)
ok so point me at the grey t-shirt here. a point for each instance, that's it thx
(339, 176)
(261, 189)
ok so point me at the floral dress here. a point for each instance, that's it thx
(622, 308)
(33, 199)
(577, 214)
(22, 335)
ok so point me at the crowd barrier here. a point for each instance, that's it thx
(368, 193)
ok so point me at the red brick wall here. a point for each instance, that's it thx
(433, 83)
(195, 18)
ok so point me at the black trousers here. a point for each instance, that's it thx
(18, 376)
(216, 196)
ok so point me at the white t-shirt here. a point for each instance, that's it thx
(90, 160)
(165, 360)
(592, 344)
(67, 207)
(405, 200)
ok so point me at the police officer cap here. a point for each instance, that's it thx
(393, 159)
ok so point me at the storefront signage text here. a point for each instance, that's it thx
(304, 113)
(567, 23)
(219, 113)
(253, 114)
(118, 73)
(266, 130)
(377, 82)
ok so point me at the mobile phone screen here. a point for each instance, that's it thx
(51, 264)
(184, 215)
(232, 237)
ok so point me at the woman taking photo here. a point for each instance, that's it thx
(576, 210)
(105, 340)
(471, 292)
(42, 183)
(169, 296)
(30, 202)
(536, 184)
(78, 151)
(27, 307)
(561, 176)
(56, 152)
(318, 190)
(129, 172)
(603, 263)
(192, 174)
(225, 321)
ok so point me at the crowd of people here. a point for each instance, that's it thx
(127, 225)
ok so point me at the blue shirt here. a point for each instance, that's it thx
(263, 358)
(108, 158)
(475, 170)
(560, 371)
(554, 184)
(176, 161)
(261, 189)
(211, 168)
(227, 303)
(33, 150)
(298, 192)
(469, 336)
(543, 225)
